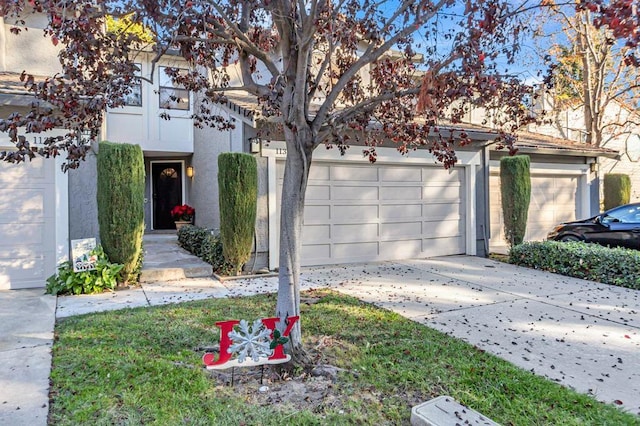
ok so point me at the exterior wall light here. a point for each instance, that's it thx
(190, 172)
(254, 145)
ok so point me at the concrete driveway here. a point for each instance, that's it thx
(582, 334)
(579, 333)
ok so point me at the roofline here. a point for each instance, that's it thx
(569, 152)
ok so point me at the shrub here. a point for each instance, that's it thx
(515, 188)
(617, 190)
(238, 188)
(104, 277)
(120, 205)
(205, 244)
(617, 266)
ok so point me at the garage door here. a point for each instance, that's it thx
(553, 200)
(27, 224)
(369, 212)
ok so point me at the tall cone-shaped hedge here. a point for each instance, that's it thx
(238, 189)
(120, 205)
(515, 188)
(617, 190)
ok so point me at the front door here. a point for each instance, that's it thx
(167, 192)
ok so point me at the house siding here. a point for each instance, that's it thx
(83, 207)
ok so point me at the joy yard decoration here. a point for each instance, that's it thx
(244, 345)
(183, 213)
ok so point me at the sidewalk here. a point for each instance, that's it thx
(27, 318)
(579, 333)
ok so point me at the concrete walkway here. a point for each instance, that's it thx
(582, 334)
(27, 318)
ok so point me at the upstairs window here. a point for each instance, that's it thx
(134, 98)
(172, 96)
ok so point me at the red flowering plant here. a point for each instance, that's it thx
(184, 212)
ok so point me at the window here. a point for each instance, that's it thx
(624, 214)
(172, 96)
(134, 98)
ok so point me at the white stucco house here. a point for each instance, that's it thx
(399, 207)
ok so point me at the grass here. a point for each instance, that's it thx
(141, 366)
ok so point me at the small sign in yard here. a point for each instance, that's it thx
(247, 345)
(81, 255)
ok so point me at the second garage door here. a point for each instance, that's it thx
(369, 212)
(553, 201)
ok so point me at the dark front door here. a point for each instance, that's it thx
(167, 192)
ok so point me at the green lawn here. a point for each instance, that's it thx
(143, 366)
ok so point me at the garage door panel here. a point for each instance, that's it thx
(314, 252)
(401, 174)
(318, 192)
(356, 212)
(25, 204)
(316, 213)
(442, 193)
(359, 213)
(356, 232)
(317, 233)
(403, 249)
(400, 230)
(437, 246)
(433, 175)
(35, 171)
(355, 250)
(321, 172)
(20, 270)
(354, 193)
(398, 193)
(406, 211)
(442, 211)
(17, 235)
(442, 229)
(354, 173)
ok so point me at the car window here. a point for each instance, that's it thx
(624, 214)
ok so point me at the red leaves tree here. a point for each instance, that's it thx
(338, 73)
(622, 17)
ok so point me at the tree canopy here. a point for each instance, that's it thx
(349, 65)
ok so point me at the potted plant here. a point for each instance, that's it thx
(183, 215)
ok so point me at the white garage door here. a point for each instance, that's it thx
(553, 200)
(27, 223)
(369, 212)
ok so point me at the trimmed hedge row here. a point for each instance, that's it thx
(616, 266)
(205, 244)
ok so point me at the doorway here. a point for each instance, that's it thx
(166, 186)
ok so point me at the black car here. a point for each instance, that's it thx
(618, 227)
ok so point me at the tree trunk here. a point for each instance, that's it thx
(296, 174)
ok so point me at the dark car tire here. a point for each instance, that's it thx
(570, 239)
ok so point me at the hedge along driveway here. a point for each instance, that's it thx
(615, 266)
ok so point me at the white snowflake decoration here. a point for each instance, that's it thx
(252, 341)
